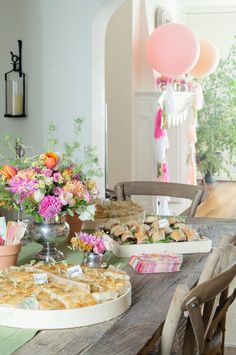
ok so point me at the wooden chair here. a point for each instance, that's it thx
(219, 259)
(206, 305)
(124, 191)
(206, 331)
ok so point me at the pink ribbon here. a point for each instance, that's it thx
(158, 131)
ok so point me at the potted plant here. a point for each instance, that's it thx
(216, 132)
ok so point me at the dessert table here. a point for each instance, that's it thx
(141, 324)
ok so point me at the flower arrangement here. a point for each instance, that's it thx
(97, 243)
(51, 185)
(178, 84)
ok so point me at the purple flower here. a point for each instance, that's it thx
(57, 177)
(49, 207)
(76, 176)
(23, 187)
(47, 172)
(37, 170)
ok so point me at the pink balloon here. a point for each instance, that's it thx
(172, 49)
(208, 59)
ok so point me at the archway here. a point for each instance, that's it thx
(98, 82)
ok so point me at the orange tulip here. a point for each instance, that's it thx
(51, 160)
(8, 171)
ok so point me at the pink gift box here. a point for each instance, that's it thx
(154, 263)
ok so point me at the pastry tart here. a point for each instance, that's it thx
(57, 289)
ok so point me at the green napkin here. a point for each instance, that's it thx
(12, 339)
(72, 256)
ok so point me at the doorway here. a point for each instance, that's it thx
(98, 84)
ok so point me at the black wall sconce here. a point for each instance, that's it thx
(15, 87)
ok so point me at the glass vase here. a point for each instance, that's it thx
(49, 234)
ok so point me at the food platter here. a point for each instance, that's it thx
(167, 235)
(57, 319)
(203, 246)
(111, 211)
(98, 222)
(57, 295)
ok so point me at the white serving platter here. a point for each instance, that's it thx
(68, 318)
(199, 246)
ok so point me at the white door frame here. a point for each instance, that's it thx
(98, 82)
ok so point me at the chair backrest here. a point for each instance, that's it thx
(206, 325)
(222, 258)
(124, 191)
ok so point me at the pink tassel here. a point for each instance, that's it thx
(164, 177)
(165, 172)
(158, 131)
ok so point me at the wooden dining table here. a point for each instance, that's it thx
(138, 328)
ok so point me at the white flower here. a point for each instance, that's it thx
(48, 180)
(87, 213)
(66, 198)
(109, 242)
(59, 159)
(38, 195)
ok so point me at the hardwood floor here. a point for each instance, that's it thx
(221, 202)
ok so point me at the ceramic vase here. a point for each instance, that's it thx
(9, 255)
(75, 225)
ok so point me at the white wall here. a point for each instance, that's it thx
(66, 64)
(143, 18)
(56, 38)
(142, 74)
(119, 94)
(22, 20)
(217, 27)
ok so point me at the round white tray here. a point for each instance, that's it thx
(68, 318)
(199, 246)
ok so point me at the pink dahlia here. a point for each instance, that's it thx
(49, 207)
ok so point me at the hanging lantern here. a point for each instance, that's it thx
(15, 87)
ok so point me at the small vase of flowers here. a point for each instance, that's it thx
(93, 245)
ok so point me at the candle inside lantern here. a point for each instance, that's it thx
(17, 104)
(15, 87)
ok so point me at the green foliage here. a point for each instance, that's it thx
(8, 140)
(216, 132)
(86, 159)
(52, 141)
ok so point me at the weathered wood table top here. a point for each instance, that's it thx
(151, 296)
